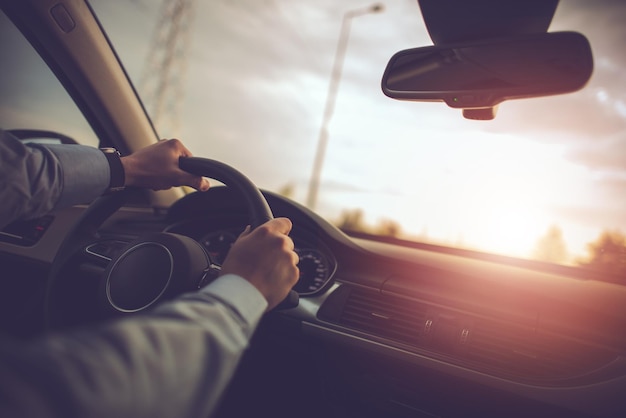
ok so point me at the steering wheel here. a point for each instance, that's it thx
(146, 271)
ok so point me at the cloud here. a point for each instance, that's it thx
(591, 123)
(570, 118)
(604, 204)
(613, 187)
(602, 154)
(589, 215)
(598, 109)
(258, 76)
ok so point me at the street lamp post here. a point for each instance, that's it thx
(331, 98)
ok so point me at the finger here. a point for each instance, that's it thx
(184, 152)
(204, 184)
(178, 147)
(282, 225)
(197, 182)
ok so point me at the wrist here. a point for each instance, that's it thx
(117, 179)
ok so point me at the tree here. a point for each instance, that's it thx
(288, 190)
(388, 227)
(352, 220)
(607, 254)
(551, 247)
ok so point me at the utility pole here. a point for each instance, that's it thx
(331, 98)
(161, 82)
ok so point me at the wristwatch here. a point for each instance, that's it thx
(118, 177)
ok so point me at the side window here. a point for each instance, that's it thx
(31, 97)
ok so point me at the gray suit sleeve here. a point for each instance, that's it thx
(174, 362)
(36, 179)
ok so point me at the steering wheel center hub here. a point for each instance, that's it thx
(152, 269)
(139, 277)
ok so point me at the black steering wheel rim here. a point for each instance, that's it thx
(259, 211)
(85, 231)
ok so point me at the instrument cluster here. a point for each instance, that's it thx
(317, 265)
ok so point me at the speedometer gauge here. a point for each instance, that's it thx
(314, 271)
(316, 265)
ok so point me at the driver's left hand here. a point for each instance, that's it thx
(156, 167)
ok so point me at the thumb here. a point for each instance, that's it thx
(203, 184)
(199, 183)
(282, 225)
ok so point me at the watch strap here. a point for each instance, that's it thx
(118, 177)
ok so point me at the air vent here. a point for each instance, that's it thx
(26, 233)
(522, 351)
(386, 316)
(488, 344)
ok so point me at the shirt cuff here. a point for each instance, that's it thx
(86, 173)
(240, 294)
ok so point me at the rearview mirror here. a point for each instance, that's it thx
(482, 74)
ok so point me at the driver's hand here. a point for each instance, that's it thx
(156, 167)
(265, 257)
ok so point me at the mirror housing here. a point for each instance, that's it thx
(481, 74)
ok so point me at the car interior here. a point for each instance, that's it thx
(377, 325)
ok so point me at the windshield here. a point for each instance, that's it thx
(251, 83)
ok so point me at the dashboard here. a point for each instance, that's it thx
(377, 320)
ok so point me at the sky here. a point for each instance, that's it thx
(255, 80)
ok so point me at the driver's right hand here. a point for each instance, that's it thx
(266, 258)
